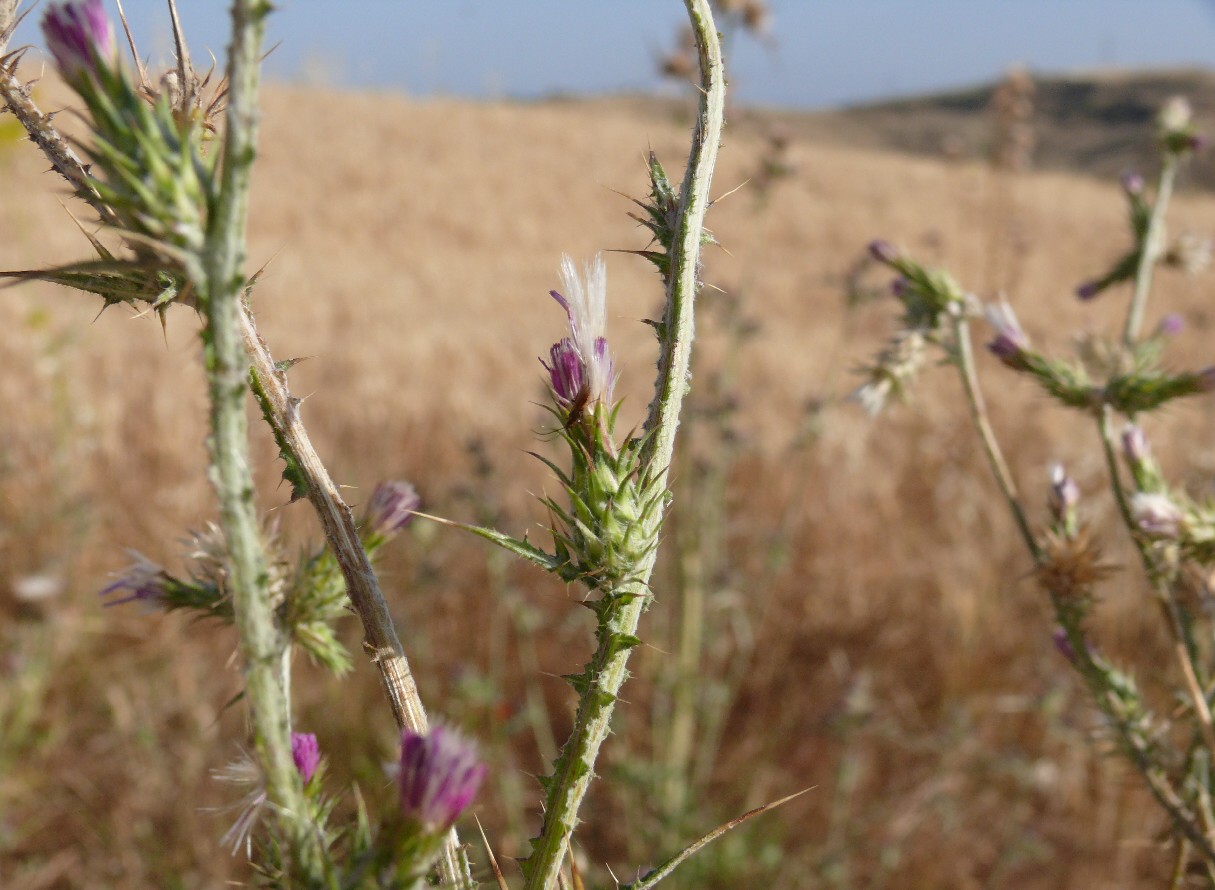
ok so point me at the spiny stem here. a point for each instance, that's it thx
(607, 669)
(1160, 588)
(380, 636)
(991, 446)
(261, 641)
(1149, 252)
(380, 640)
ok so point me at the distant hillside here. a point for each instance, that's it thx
(1098, 124)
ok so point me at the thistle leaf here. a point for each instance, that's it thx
(652, 877)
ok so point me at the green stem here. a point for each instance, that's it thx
(282, 410)
(1155, 777)
(1182, 644)
(991, 447)
(261, 642)
(1150, 250)
(682, 726)
(607, 670)
(1130, 734)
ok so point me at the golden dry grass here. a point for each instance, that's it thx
(901, 660)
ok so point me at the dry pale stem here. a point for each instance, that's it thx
(363, 587)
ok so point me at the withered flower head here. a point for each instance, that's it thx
(1071, 566)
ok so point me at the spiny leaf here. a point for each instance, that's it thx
(522, 548)
(652, 877)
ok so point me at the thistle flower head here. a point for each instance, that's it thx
(306, 753)
(1011, 341)
(1088, 290)
(80, 37)
(1132, 182)
(1072, 565)
(1156, 514)
(582, 372)
(1064, 494)
(391, 508)
(1170, 325)
(1176, 123)
(883, 251)
(892, 372)
(142, 581)
(1063, 645)
(1135, 445)
(440, 774)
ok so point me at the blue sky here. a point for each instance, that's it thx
(822, 52)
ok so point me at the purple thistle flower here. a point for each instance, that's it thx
(142, 581)
(1064, 493)
(1088, 290)
(582, 371)
(1156, 514)
(306, 753)
(1135, 445)
(1063, 644)
(80, 36)
(883, 251)
(1171, 325)
(391, 508)
(1132, 183)
(1011, 341)
(440, 774)
(1176, 123)
(565, 372)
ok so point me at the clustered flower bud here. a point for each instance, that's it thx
(391, 508)
(440, 775)
(1088, 290)
(145, 162)
(1156, 514)
(1135, 445)
(1011, 341)
(306, 753)
(1176, 124)
(883, 251)
(1064, 495)
(1063, 645)
(142, 581)
(1170, 325)
(80, 37)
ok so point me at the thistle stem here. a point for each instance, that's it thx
(1160, 588)
(269, 384)
(607, 669)
(1149, 252)
(991, 446)
(270, 387)
(261, 641)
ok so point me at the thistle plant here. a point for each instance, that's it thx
(605, 530)
(170, 182)
(180, 214)
(1170, 744)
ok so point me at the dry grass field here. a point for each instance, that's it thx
(873, 615)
